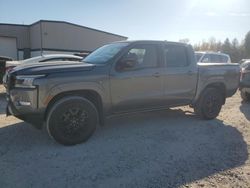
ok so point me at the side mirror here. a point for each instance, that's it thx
(127, 63)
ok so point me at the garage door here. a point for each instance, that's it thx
(8, 47)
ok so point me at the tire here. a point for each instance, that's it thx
(210, 103)
(245, 96)
(72, 120)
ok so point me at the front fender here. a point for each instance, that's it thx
(98, 87)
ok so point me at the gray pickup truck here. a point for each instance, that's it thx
(70, 99)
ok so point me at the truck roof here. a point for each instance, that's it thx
(152, 41)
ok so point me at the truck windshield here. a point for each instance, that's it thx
(104, 53)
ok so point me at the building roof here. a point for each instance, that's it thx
(63, 22)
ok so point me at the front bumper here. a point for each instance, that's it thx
(22, 103)
(24, 100)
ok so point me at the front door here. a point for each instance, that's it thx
(140, 86)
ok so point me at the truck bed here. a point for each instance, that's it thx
(225, 73)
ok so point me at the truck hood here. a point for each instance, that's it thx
(51, 67)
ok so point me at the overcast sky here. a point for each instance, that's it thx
(140, 19)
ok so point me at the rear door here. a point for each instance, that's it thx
(180, 75)
(141, 86)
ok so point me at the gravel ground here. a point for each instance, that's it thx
(170, 148)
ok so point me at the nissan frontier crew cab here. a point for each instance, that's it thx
(71, 98)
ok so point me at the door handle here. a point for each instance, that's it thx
(157, 74)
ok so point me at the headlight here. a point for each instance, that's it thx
(26, 81)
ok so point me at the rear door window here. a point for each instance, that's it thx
(176, 56)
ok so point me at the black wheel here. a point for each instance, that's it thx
(245, 96)
(72, 120)
(209, 104)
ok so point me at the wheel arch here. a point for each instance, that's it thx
(91, 95)
(220, 86)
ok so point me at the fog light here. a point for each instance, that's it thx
(24, 103)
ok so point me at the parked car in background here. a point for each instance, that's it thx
(39, 59)
(245, 81)
(3, 65)
(243, 61)
(82, 54)
(43, 58)
(72, 98)
(212, 57)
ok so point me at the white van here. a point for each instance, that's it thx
(212, 57)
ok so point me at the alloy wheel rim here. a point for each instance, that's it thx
(74, 120)
(211, 102)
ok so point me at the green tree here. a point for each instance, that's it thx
(218, 46)
(226, 47)
(242, 49)
(235, 51)
(247, 44)
(212, 44)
